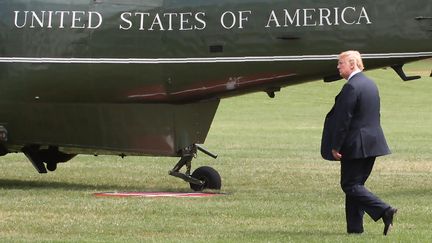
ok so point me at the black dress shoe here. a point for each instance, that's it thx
(388, 219)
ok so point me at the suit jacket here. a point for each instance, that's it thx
(352, 126)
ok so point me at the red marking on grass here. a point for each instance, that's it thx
(155, 194)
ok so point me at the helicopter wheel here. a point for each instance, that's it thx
(210, 176)
(51, 166)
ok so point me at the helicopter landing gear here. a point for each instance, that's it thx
(51, 156)
(202, 178)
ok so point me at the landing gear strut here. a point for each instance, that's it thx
(51, 156)
(202, 178)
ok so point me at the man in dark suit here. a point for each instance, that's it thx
(353, 134)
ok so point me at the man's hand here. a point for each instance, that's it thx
(336, 154)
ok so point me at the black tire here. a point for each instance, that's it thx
(52, 166)
(210, 176)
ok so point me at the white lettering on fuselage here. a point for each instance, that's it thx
(230, 19)
(58, 19)
(162, 21)
(193, 21)
(311, 17)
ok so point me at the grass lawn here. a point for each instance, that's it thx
(277, 188)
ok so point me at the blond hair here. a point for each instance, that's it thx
(353, 57)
